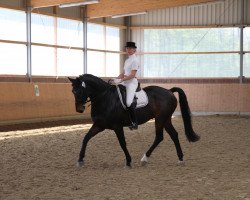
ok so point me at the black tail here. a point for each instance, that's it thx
(186, 115)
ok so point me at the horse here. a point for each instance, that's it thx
(107, 113)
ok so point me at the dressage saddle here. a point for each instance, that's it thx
(123, 93)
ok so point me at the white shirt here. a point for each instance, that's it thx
(130, 64)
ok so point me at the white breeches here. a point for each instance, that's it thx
(131, 86)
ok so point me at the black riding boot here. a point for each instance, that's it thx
(132, 117)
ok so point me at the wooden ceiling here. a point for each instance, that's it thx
(108, 8)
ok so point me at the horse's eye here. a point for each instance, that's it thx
(74, 92)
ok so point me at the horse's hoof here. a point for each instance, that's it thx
(127, 167)
(143, 163)
(144, 160)
(181, 163)
(80, 164)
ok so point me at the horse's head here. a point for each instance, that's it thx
(80, 93)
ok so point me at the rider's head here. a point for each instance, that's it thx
(130, 48)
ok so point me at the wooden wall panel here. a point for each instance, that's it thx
(215, 97)
(244, 98)
(19, 102)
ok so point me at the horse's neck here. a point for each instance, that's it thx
(96, 88)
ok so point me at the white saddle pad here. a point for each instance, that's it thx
(142, 99)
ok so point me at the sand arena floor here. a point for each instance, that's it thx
(40, 163)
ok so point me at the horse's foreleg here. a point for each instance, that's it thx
(121, 138)
(158, 139)
(174, 136)
(92, 132)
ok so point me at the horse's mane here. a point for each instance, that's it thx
(94, 81)
(97, 86)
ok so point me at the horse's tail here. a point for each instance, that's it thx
(186, 115)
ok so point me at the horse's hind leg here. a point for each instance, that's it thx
(174, 136)
(158, 139)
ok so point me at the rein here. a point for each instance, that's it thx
(120, 97)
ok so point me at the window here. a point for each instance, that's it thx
(112, 39)
(43, 61)
(103, 63)
(69, 33)
(112, 64)
(187, 40)
(96, 36)
(12, 22)
(56, 46)
(66, 60)
(171, 43)
(43, 29)
(69, 62)
(246, 65)
(192, 65)
(246, 38)
(14, 60)
(246, 69)
(96, 63)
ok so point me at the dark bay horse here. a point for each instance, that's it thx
(107, 113)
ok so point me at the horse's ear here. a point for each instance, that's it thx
(71, 79)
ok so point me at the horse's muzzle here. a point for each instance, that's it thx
(80, 108)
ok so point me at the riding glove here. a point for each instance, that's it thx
(117, 81)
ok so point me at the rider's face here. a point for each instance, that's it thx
(130, 50)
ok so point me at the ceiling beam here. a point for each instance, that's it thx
(115, 7)
(49, 3)
(108, 8)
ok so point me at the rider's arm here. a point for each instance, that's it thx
(130, 76)
(121, 76)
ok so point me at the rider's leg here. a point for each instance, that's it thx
(132, 116)
(130, 90)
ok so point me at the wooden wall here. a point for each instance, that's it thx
(216, 97)
(18, 102)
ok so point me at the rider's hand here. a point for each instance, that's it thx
(117, 81)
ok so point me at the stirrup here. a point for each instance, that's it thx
(134, 126)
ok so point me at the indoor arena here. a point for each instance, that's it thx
(123, 100)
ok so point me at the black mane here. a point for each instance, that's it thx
(103, 96)
(94, 82)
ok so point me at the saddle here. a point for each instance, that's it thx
(124, 93)
(140, 99)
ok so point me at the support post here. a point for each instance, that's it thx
(128, 30)
(85, 31)
(28, 30)
(241, 41)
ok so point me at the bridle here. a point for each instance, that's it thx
(97, 97)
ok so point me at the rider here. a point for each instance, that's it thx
(129, 80)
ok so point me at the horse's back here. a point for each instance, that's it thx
(161, 97)
(157, 90)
